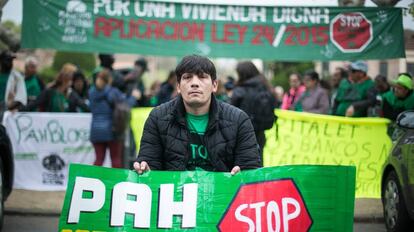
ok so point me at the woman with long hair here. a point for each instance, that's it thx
(55, 97)
(253, 94)
(78, 97)
(295, 91)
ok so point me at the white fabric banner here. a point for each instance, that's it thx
(44, 144)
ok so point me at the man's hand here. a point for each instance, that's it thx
(350, 111)
(136, 94)
(141, 167)
(235, 170)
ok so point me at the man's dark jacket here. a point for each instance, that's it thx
(229, 138)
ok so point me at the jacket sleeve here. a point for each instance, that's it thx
(42, 102)
(247, 154)
(322, 104)
(116, 95)
(237, 97)
(151, 149)
(77, 101)
(284, 105)
(364, 104)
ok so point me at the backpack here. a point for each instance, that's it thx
(121, 116)
(259, 104)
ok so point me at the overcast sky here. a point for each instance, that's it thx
(13, 9)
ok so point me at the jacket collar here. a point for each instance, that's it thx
(180, 112)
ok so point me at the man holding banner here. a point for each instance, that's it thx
(195, 130)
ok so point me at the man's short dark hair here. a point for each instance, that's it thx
(106, 60)
(312, 74)
(195, 64)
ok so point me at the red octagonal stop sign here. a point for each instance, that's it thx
(267, 206)
(351, 32)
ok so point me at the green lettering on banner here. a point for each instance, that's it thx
(78, 150)
(26, 156)
(294, 198)
(53, 132)
(178, 29)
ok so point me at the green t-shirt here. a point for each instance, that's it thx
(349, 93)
(32, 87)
(298, 105)
(4, 77)
(197, 125)
(153, 101)
(58, 103)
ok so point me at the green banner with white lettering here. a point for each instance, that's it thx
(178, 29)
(286, 198)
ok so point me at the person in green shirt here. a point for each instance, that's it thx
(197, 125)
(355, 94)
(400, 98)
(55, 98)
(195, 130)
(34, 86)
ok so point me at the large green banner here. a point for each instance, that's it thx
(178, 29)
(304, 138)
(286, 198)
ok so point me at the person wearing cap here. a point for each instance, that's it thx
(106, 61)
(356, 94)
(133, 80)
(12, 87)
(399, 98)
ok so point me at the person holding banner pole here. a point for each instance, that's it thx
(196, 131)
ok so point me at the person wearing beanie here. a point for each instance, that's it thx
(400, 98)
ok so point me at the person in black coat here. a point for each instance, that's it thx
(253, 95)
(78, 97)
(167, 89)
(195, 130)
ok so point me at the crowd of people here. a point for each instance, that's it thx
(349, 92)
